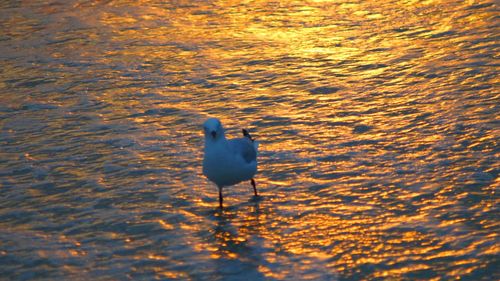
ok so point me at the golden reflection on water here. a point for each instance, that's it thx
(228, 57)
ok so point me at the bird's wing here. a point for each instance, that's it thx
(245, 148)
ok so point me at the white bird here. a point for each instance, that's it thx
(228, 162)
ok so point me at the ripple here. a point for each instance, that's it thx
(325, 90)
(378, 148)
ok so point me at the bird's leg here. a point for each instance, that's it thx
(220, 197)
(252, 181)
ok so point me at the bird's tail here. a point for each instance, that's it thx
(246, 134)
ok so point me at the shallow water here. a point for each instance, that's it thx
(377, 121)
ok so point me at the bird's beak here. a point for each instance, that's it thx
(213, 133)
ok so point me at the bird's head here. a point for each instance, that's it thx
(213, 129)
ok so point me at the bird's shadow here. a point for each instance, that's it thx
(256, 199)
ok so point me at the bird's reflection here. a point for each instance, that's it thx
(237, 232)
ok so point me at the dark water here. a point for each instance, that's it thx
(377, 120)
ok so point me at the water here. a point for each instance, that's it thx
(378, 128)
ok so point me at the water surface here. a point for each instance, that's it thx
(377, 121)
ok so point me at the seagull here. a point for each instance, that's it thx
(228, 162)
